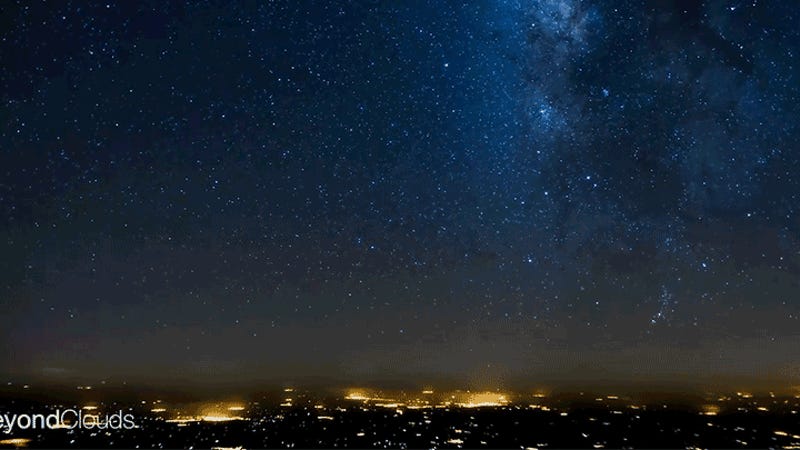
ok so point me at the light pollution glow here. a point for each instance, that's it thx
(16, 442)
(207, 412)
(427, 398)
(461, 399)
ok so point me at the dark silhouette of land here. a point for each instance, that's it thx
(290, 417)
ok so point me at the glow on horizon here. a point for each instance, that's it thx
(356, 395)
(205, 418)
(482, 399)
(207, 412)
(460, 399)
(16, 442)
(220, 418)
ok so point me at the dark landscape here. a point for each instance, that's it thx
(361, 418)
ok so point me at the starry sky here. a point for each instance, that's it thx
(486, 193)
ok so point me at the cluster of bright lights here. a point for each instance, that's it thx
(481, 399)
(203, 413)
(357, 395)
(428, 399)
(15, 442)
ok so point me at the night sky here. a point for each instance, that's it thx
(489, 193)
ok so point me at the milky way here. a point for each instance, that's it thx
(488, 193)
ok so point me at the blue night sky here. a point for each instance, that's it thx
(484, 193)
